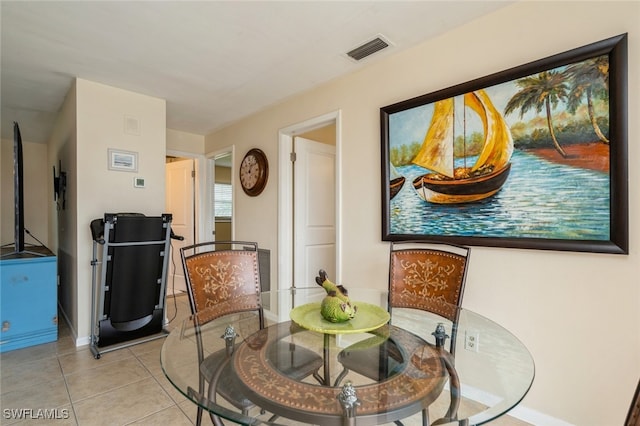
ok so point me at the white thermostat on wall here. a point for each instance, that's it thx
(138, 182)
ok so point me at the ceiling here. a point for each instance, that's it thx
(214, 62)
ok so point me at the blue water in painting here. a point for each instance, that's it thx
(540, 199)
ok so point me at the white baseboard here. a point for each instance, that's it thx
(83, 341)
(534, 417)
(519, 412)
(79, 341)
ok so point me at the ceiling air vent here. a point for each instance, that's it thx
(368, 48)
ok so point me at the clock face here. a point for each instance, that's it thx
(249, 172)
(254, 171)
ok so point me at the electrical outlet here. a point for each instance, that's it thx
(472, 341)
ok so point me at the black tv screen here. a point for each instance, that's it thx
(18, 184)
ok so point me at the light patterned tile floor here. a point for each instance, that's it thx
(124, 387)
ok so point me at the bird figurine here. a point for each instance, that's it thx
(336, 306)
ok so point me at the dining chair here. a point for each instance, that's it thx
(223, 278)
(423, 275)
(633, 416)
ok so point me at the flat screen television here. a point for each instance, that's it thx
(18, 194)
(18, 189)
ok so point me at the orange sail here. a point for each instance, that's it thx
(436, 153)
(498, 143)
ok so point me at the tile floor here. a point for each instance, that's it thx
(123, 387)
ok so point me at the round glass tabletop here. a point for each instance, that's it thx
(297, 370)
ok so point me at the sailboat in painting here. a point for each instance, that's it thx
(447, 184)
(396, 181)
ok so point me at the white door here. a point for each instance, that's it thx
(179, 202)
(314, 231)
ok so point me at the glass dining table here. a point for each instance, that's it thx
(427, 369)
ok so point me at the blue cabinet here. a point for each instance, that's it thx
(28, 299)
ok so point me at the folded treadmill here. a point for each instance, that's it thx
(130, 261)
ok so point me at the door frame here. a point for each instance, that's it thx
(210, 159)
(200, 194)
(285, 202)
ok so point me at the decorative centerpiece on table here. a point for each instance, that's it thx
(336, 306)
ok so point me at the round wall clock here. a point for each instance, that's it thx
(254, 172)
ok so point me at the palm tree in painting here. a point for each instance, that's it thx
(589, 79)
(544, 90)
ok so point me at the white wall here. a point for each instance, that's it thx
(63, 222)
(35, 172)
(578, 313)
(101, 114)
(92, 120)
(178, 141)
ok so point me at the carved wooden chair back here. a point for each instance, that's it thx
(222, 278)
(427, 276)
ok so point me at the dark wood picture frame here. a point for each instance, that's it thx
(437, 207)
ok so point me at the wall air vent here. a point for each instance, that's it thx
(368, 48)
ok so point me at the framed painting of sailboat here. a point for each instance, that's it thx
(531, 157)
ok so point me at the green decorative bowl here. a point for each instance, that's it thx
(369, 317)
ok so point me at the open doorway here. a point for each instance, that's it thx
(221, 164)
(191, 199)
(309, 205)
(180, 202)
